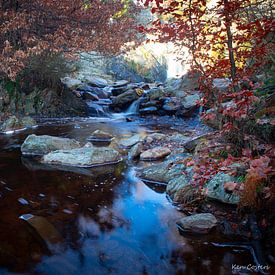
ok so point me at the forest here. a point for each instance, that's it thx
(137, 137)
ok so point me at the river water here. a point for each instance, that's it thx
(109, 220)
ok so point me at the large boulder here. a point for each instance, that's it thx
(175, 187)
(188, 106)
(123, 100)
(41, 145)
(215, 189)
(83, 157)
(155, 153)
(96, 81)
(198, 223)
(164, 172)
(15, 123)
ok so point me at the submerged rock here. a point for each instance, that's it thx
(15, 123)
(215, 189)
(100, 135)
(83, 157)
(40, 145)
(43, 228)
(155, 153)
(198, 223)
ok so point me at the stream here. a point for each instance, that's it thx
(110, 221)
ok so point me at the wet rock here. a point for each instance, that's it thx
(155, 93)
(101, 136)
(40, 145)
(23, 201)
(15, 123)
(125, 99)
(148, 110)
(198, 223)
(215, 189)
(90, 96)
(155, 153)
(129, 142)
(71, 83)
(83, 157)
(164, 172)
(155, 137)
(116, 91)
(176, 186)
(172, 104)
(120, 83)
(43, 228)
(189, 105)
(136, 151)
(96, 81)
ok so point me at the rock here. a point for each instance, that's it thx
(155, 137)
(101, 136)
(215, 189)
(155, 153)
(71, 83)
(190, 101)
(123, 100)
(14, 123)
(164, 172)
(90, 96)
(148, 110)
(129, 142)
(189, 105)
(86, 90)
(136, 150)
(191, 144)
(176, 186)
(172, 104)
(119, 90)
(155, 93)
(43, 228)
(221, 84)
(178, 138)
(96, 109)
(198, 223)
(83, 157)
(120, 83)
(40, 145)
(189, 82)
(96, 81)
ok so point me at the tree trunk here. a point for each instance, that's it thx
(230, 41)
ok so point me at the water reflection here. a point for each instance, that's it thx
(109, 220)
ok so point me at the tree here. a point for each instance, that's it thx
(32, 27)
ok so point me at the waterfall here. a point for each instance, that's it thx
(134, 107)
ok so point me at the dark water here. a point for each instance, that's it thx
(110, 221)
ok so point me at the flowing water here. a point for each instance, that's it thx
(110, 222)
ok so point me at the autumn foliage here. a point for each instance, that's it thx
(230, 39)
(29, 28)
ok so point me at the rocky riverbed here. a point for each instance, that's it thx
(113, 193)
